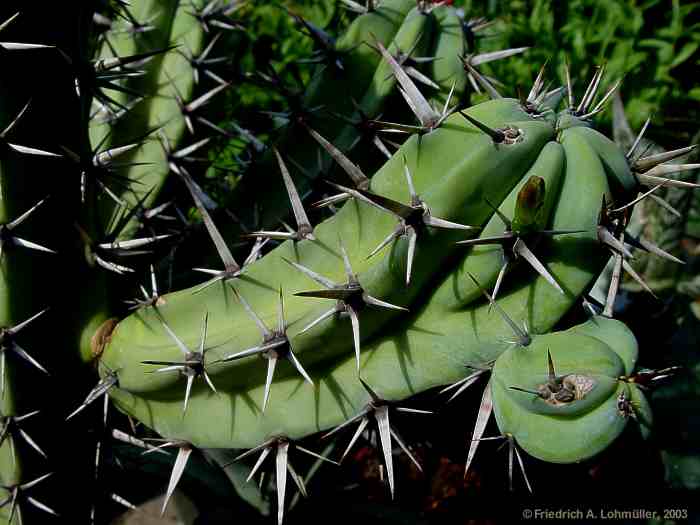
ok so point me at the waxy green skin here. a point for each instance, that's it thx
(574, 258)
(22, 272)
(484, 262)
(582, 428)
(173, 26)
(425, 354)
(169, 72)
(119, 42)
(10, 465)
(449, 45)
(10, 474)
(427, 347)
(453, 181)
(44, 87)
(10, 468)
(455, 169)
(613, 159)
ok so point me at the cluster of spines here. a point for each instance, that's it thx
(377, 408)
(99, 172)
(343, 294)
(98, 166)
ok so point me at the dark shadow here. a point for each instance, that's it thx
(249, 279)
(403, 353)
(249, 402)
(418, 329)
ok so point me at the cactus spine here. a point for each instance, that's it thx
(466, 244)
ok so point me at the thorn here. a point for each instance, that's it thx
(521, 250)
(462, 384)
(320, 279)
(570, 91)
(483, 58)
(103, 386)
(183, 455)
(519, 389)
(426, 115)
(638, 199)
(478, 78)
(669, 169)
(275, 345)
(513, 448)
(601, 105)
(637, 140)
(590, 91)
(304, 228)
(607, 238)
(628, 268)
(18, 490)
(359, 179)
(646, 163)
(644, 244)
(192, 366)
(496, 135)
(647, 180)
(231, 267)
(522, 337)
(7, 22)
(614, 286)
(537, 85)
(485, 409)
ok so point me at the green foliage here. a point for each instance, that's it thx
(652, 44)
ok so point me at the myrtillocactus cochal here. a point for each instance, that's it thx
(481, 227)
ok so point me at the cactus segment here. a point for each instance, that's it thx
(437, 352)
(480, 343)
(573, 259)
(167, 90)
(358, 59)
(449, 44)
(566, 412)
(616, 165)
(356, 115)
(488, 262)
(439, 176)
(615, 334)
(386, 291)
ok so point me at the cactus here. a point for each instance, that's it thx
(456, 257)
